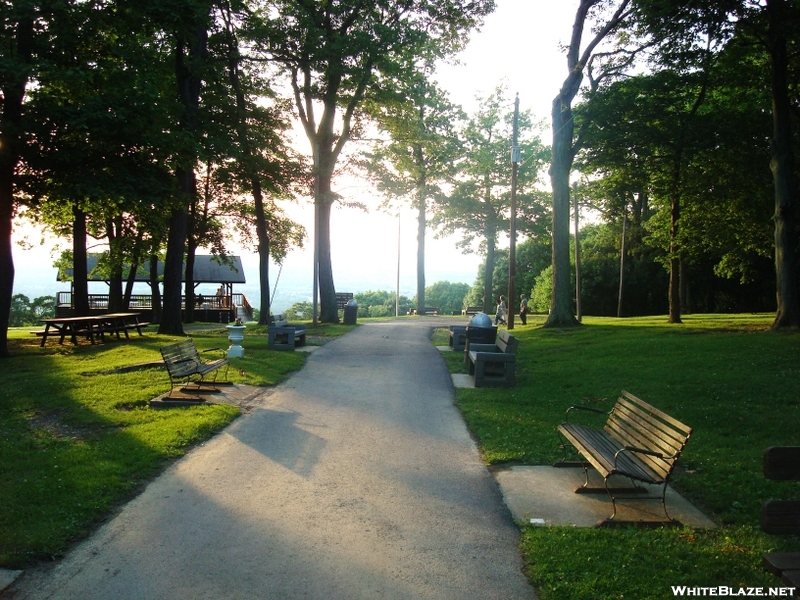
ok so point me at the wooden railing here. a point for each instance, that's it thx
(217, 304)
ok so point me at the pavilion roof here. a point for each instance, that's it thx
(207, 269)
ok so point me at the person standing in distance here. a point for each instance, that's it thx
(523, 309)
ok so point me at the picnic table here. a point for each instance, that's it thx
(90, 326)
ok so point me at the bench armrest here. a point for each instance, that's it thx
(642, 451)
(482, 348)
(599, 411)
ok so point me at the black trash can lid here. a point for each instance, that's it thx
(481, 320)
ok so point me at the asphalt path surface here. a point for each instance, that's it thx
(356, 478)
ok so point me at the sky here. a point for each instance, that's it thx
(519, 45)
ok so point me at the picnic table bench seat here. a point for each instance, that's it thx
(472, 310)
(183, 362)
(494, 364)
(638, 441)
(782, 517)
(284, 336)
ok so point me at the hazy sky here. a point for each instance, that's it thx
(519, 45)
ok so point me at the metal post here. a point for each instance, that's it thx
(397, 285)
(512, 249)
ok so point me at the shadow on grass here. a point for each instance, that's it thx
(78, 438)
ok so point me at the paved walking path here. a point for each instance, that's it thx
(356, 478)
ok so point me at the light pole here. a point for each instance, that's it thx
(397, 284)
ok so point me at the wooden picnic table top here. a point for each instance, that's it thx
(89, 325)
(90, 318)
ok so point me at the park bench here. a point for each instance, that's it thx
(472, 310)
(638, 442)
(183, 362)
(477, 335)
(494, 364)
(782, 517)
(283, 336)
(458, 337)
(429, 310)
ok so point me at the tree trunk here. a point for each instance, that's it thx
(13, 92)
(781, 164)
(262, 232)
(674, 262)
(621, 262)
(131, 279)
(6, 256)
(188, 279)
(328, 313)
(114, 229)
(189, 78)
(674, 249)
(171, 317)
(80, 276)
(155, 290)
(561, 314)
(488, 297)
(686, 305)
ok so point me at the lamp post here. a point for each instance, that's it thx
(397, 283)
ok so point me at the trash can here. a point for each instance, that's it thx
(350, 312)
(479, 331)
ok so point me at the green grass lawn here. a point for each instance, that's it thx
(77, 437)
(734, 382)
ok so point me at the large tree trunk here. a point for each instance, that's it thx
(171, 317)
(782, 163)
(80, 276)
(189, 78)
(262, 234)
(328, 311)
(13, 91)
(561, 314)
(6, 256)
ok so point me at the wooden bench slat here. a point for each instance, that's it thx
(661, 415)
(630, 437)
(661, 431)
(658, 430)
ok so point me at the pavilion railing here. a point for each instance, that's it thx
(230, 303)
